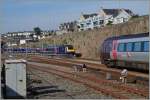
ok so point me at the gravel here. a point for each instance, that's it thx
(55, 87)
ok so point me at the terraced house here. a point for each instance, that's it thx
(103, 18)
(18, 38)
(68, 27)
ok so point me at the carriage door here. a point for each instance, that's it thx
(114, 50)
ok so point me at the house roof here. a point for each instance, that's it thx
(115, 12)
(129, 11)
(89, 15)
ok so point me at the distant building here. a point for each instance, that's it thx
(103, 17)
(18, 38)
(90, 21)
(116, 15)
(68, 27)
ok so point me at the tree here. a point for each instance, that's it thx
(31, 35)
(135, 16)
(37, 31)
(109, 22)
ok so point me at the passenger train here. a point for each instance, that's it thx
(129, 51)
(50, 50)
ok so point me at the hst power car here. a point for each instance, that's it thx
(60, 49)
(130, 51)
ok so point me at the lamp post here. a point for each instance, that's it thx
(26, 49)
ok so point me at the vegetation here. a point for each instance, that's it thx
(109, 23)
(37, 31)
(135, 16)
(64, 41)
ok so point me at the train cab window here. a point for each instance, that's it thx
(121, 47)
(137, 47)
(129, 47)
(70, 47)
(146, 46)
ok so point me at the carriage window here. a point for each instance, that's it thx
(129, 47)
(121, 47)
(146, 46)
(137, 46)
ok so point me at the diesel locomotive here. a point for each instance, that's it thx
(60, 49)
(129, 51)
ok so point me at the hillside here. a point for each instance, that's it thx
(89, 42)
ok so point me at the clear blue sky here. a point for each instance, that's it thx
(24, 15)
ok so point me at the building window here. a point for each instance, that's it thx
(101, 22)
(124, 19)
(146, 46)
(137, 46)
(88, 23)
(95, 23)
(129, 47)
(121, 47)
(82, 25)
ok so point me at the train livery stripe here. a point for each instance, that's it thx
(114, 51)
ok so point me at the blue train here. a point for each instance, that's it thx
(51, 49)
(60, 49)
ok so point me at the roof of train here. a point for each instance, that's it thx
(128, 36)
(59, 45)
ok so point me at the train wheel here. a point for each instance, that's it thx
(111, 64)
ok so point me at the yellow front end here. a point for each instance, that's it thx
(71, 51)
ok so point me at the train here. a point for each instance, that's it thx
(49, 50)
(60, 49)
(126, 51)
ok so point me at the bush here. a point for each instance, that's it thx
(64, 41)
(109, 23)
(135, 16)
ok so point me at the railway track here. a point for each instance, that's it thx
(109, 88)
(127, 91)
(69, 63)
(45, 80)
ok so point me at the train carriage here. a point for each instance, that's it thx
(51, 50)
(130, 51)
(60, 49)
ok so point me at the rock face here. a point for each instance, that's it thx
(89, 42)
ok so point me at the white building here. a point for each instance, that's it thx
(116, 15)
(90, 21)
(103, 17)
(123, 16)
(67, 27)
(18, 38)
(22, 41)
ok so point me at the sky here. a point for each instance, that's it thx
(24, 15)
